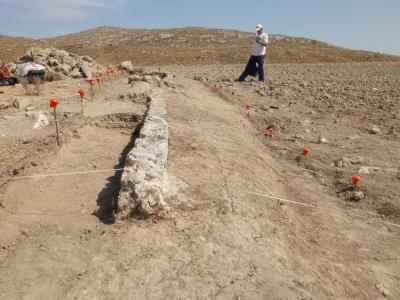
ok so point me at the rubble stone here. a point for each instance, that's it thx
(344, 162)
(127, 65)
(322, 140)
(375, 130)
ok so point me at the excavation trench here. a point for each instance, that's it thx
(101, 144)
(107, 198)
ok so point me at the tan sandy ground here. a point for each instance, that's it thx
(222, 243)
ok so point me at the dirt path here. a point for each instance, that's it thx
(325, 253)
(222, 243)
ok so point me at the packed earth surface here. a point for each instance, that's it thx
(249, 216)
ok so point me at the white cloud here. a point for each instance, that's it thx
(61, 9)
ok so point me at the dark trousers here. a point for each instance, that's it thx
(255, 64)
(36, 76)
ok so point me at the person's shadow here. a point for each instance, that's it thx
(108, 197)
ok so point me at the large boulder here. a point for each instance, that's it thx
(54, 76)
(52, 62)
(62, 53)
(64, 69)
(75, 73)
(86, 70)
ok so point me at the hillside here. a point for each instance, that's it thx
(13, 47)
(186, 46)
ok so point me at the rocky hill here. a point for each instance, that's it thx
(186, 46)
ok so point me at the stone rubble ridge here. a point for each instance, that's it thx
(142, 181)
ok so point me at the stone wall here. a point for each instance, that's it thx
(142, 181)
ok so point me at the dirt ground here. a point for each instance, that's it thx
(228, 238)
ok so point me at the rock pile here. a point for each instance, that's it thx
(60, 63)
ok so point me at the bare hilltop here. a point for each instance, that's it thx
(187, 46)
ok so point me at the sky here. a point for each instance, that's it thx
(358, 24)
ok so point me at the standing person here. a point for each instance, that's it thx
(256, 61)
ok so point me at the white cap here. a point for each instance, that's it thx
(259, 26)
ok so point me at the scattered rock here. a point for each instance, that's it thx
(134, 78)
(30, 108)
(297, 137)
(261, 93)
(375, 169)
(342, 163)
(392, 171)
(7, 118)
(392, 130)
(30, 114)
(364, 171)
(303, 84)
(150, 79)
(356, 160)
(165, 36)
(322, 140)
(355, 195)
(41, 121)
(375, 130)
(353, 137)
(21, 103)
(4, 106)
(358, 196)
(382, 290)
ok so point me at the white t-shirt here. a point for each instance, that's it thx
(24, 69)
(259, 49)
